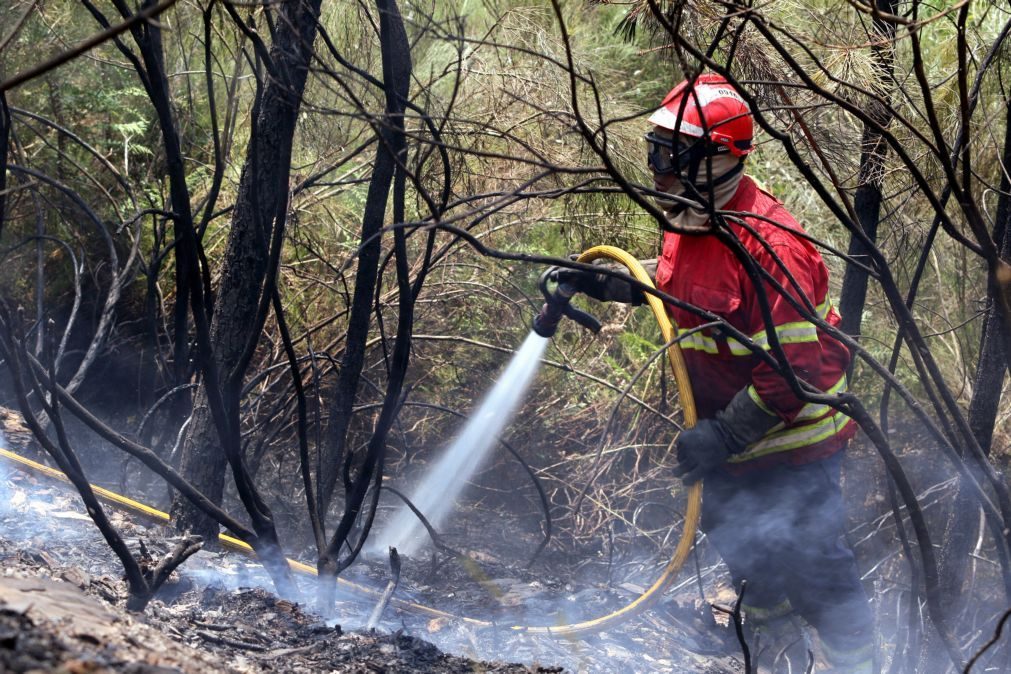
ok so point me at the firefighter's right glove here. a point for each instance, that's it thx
(701, 450)
(601, 287)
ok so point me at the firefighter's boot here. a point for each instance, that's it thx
(849, 652)
(776, 638)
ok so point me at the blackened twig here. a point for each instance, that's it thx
(183, 550)
(996, 637)
(739, 625)
(391, 586)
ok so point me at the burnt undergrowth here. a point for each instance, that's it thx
(482, 569)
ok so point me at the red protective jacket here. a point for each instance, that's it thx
(703, 271)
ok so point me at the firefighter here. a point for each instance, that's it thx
(772, 503)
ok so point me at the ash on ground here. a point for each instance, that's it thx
(62, 598)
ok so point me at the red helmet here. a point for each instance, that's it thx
(714, 107)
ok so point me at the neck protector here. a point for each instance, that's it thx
(703, 191)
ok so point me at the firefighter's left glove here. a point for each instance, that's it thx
(701, 450)
(601, 287)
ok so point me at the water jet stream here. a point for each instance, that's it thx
(436, 494)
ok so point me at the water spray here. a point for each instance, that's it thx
(436, 494)
(557, 304)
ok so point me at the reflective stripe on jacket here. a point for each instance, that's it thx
(703, 271)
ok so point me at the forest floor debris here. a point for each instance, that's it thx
(62, 597)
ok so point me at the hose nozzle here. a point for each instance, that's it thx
(557, 304)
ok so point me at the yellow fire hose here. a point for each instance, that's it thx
(694, 507)
(641, 604)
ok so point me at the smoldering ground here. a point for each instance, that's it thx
(54, 532)
(582, 583)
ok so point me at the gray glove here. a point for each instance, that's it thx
(702, 449)
(744, 421)
(603, 287)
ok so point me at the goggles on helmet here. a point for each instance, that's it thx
(675, 155)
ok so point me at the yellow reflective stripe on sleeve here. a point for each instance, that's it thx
(794, 438)
(697, 341)
(780, 440)
(788, 333)
(815, 410)
(808, 411)
(797, 332)
(738, 349)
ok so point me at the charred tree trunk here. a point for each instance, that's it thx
(251, 258)
(867, 202)
(186, 254)
(991, 368)
(396, 63)
(391, 158)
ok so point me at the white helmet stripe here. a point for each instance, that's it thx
(668, 120)
(707, 95)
